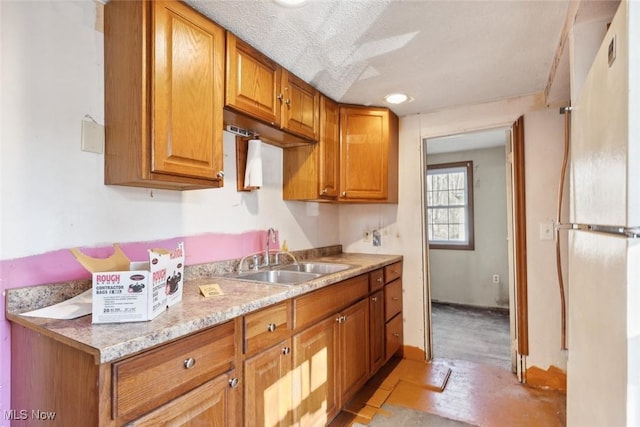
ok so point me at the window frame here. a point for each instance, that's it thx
(468, 245)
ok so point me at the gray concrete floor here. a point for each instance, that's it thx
(473, 334)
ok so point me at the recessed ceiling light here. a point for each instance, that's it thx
(290, 3)
(397, 98)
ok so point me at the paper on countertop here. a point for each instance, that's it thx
(78, 306)
(211, 290)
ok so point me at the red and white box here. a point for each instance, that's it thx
(141, 293)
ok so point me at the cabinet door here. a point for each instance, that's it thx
(364, 148)
(212, 404)
(253, 82)
(354, 349)
(393, 335)
(315, 398)
(267, 387)
(311, 171)
(376, 330)
(301, 107)
(329, 147)
(187, 89)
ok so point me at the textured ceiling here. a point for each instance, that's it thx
(442, 53)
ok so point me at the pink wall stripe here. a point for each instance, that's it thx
(61, 265)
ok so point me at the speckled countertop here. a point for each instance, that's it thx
(109, 342)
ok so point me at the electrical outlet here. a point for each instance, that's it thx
(496, 278)
(377, 238)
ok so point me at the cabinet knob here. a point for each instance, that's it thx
(233, 382)
(220, 174)
(397, 335)
(286, 350)
(344, 194)
(287, 102)
(189, 363)
(379, 280)
(374, 299)
(271, 327)
(324, 190)
(280, 97)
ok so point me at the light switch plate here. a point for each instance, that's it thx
(92, 139)
(546, 230)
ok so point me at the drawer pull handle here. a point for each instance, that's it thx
(233, 382)
(395, 298)
(286, 350)
(271, 327)
(189, 363)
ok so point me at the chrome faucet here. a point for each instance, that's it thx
(271, 236)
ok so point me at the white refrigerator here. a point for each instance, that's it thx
(603, 314)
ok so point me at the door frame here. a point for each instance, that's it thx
(516, 247)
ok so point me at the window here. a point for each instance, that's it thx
(450, 205)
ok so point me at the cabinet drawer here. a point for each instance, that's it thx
(210, 404)
(151, 379)
(392, 271)
(376, 280)
(393, 335)
(266, 327)
(392, 299)
(312, 307)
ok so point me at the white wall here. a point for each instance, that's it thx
(403, 223)
(53, 194)
(465, 277)
(53, 197)
(544, 145)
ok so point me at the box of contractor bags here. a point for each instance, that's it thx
(138, 293)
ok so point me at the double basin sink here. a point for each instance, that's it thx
(292, 274)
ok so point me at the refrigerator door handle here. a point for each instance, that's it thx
(632, 232)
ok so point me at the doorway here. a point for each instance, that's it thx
(471, 292)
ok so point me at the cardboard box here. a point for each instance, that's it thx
(142, 292)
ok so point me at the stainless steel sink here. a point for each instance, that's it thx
(316, 267)
(281, 276)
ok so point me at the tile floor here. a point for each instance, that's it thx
(470, 380)
(477, 394)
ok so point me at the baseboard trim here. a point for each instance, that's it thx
(553, 378)
(413, 353)
(504, 310)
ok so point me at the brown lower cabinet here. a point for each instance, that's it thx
(267, 387)
(296, 363)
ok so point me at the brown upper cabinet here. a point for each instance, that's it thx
(311, 172)
(355, 160)
(368, 154)
(164, 99)
(261, 89)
